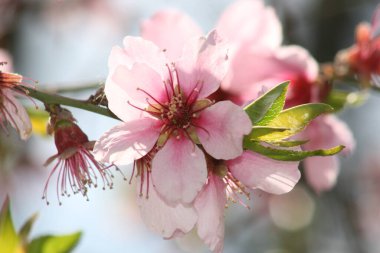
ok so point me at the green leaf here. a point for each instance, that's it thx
(295, 119)
(9, 241)
(339, 98)
(268, 106)
(289, 144)
(25, 229)
(260, 133)
(56, 244)
(287, 154)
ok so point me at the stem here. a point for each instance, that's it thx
(48, 98)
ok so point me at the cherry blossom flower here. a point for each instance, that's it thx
(231, 179)
(257, 61)
(76, 168)
(11, 111)
(164, 106)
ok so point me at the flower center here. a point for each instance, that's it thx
(179, 110)
(178, 114)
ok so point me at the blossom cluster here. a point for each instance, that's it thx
(181, 96)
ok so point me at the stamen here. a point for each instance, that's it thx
(171, 78)
(158, 102)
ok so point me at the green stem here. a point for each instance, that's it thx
(48, 98)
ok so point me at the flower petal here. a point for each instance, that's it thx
(321, 172)
(16, 115)
(210, 205)
(328, 131)
(272, 66)
(251, 22)
(170, 29)
(164, 219)
(257, 171)
(203, 65)
(221, 129)
(127, 89)
(179, 171)
(141, 84)
(138, 50)
(128, 141)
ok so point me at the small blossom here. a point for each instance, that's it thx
(75, 165)
(364, 57)
(11, 111)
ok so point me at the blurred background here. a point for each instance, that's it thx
(62, 43)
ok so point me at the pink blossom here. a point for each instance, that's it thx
(296, 64)
(363, 58)
(226, 180)
(257, 60)
(164, 106)
(273, 64)
(321, 172)
(11, 110)
(230, 179)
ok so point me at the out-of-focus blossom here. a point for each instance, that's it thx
(259, 66)
(325, 132)
(363, 58)
(11, 111)
(76, 168)
(295, 64)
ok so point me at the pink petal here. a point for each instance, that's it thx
(118, 101)
(325, 132)
(18, 117)
(297, 60)
(128, 141)
(164, 219)
(251, 22)
(221, 129)
(127, 89)
(272, 66)
(139, 50)
(179, 171)
(321, 172)
(119, 56)
(136, 50)
(257, 171)
(141, 84)
(210, 205)
(203, 65)
(170, 29)
(329, 131)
